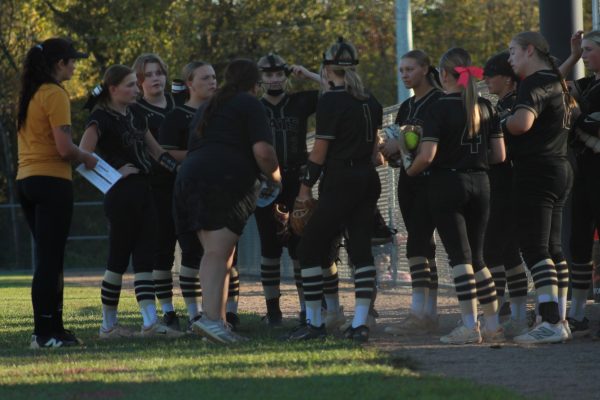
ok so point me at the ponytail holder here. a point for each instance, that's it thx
(465, 72)
(39, 46)
(97, 90)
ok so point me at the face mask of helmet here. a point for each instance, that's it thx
(274, 66)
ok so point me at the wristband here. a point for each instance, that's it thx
(312, 173)
(168, 162)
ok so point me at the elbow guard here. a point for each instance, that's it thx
(168, 162)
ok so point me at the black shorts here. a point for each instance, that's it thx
(209, 197)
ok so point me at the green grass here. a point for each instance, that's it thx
(264, 368)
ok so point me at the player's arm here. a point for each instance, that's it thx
(314, 165)
(425, 156)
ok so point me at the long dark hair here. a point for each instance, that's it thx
(38, 68)
(113, 76)
(241, 75)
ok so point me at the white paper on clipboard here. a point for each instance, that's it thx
(102, 176)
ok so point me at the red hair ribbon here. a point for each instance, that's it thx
(464, 72)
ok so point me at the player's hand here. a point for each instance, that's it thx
(576, 40)
(88, 160)
(128, 169)
(389, 148)
(300, 72)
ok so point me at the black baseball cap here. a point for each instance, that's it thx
(498, 65)
(59, 48)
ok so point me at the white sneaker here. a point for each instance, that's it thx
(333, 320)
(567, 329)
(544, 333)
(116, 332)
(215, 331)
(463, 335)
(514, 327)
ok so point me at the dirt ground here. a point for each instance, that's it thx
(557, 371)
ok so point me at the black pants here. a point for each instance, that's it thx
(501, 245)
(541, 188)
(47, 203)
(132, 219)
(413, 199)
(162, 193)
(191, 249)
(270, 246)
(586, 207)
(348, 198)
(459, 202)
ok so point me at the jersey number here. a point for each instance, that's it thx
(473, 143)
(368, 123)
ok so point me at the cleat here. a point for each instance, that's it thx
(410, 325)
(360, 334)
(45, 342)
(579, 328)
(307, 332)
(215, 331)
(273, 320)
(463, 335)
(191, 322)
(159, 330)
(233, 319)
(544, 333)
(333, 320)
(513, 328)
(493, 337)
(171, 320)
(68, 338)
(117, 332)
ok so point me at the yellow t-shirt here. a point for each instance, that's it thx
(38, 156)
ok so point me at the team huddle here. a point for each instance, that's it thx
(198, 160)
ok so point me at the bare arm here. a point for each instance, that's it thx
(377, 157)
(266, 158)
(425, 156)
(576, 51)
(497, 151)
(68, 150)
(317, 156)
(520, 122)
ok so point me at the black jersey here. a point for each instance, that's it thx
(349, 124)
(288, 120)
(506, 103)
(174, 131)
(230, 133)
(121, 138)
(541, 93)
(155, 115)
(589, 102)
(446, 125)
(412, 111)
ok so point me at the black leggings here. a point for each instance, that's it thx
(541, 188)
(586, 207)
(460, 205)
(416, 213)
(47, 203)
(132, 218)
(162, 193)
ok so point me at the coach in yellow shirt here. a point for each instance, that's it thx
(46, 151)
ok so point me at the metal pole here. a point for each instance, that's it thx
(595, 15)
(403, 42)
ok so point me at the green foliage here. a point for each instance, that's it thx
(190, 368)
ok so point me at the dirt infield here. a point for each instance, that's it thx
(545, 371)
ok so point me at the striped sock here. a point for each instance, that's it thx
(191, 291)
(488, 299)
(562, 275)
(270, 276)
(312, 283)
(499, 276)
(331, 287)
(364, 285)
(420, 282)
(516, 281)
(581, 278)
(109, 294)
(144, 294)
(163, 284)
(233, 294)
(464, 283)
(298, 282)
(431, 303)
(546, 287)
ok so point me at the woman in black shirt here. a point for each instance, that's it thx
(537, 133)
(217, 187)
(121, 137)
(417, 74)
(459, 132)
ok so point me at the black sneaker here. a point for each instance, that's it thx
(272, 320)
(191, 322)
(308, 332)
(233, 320)
(579, 328)
(68, 338)
(302, 317)
(45, 342)
(360, 334)
(171, 320)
